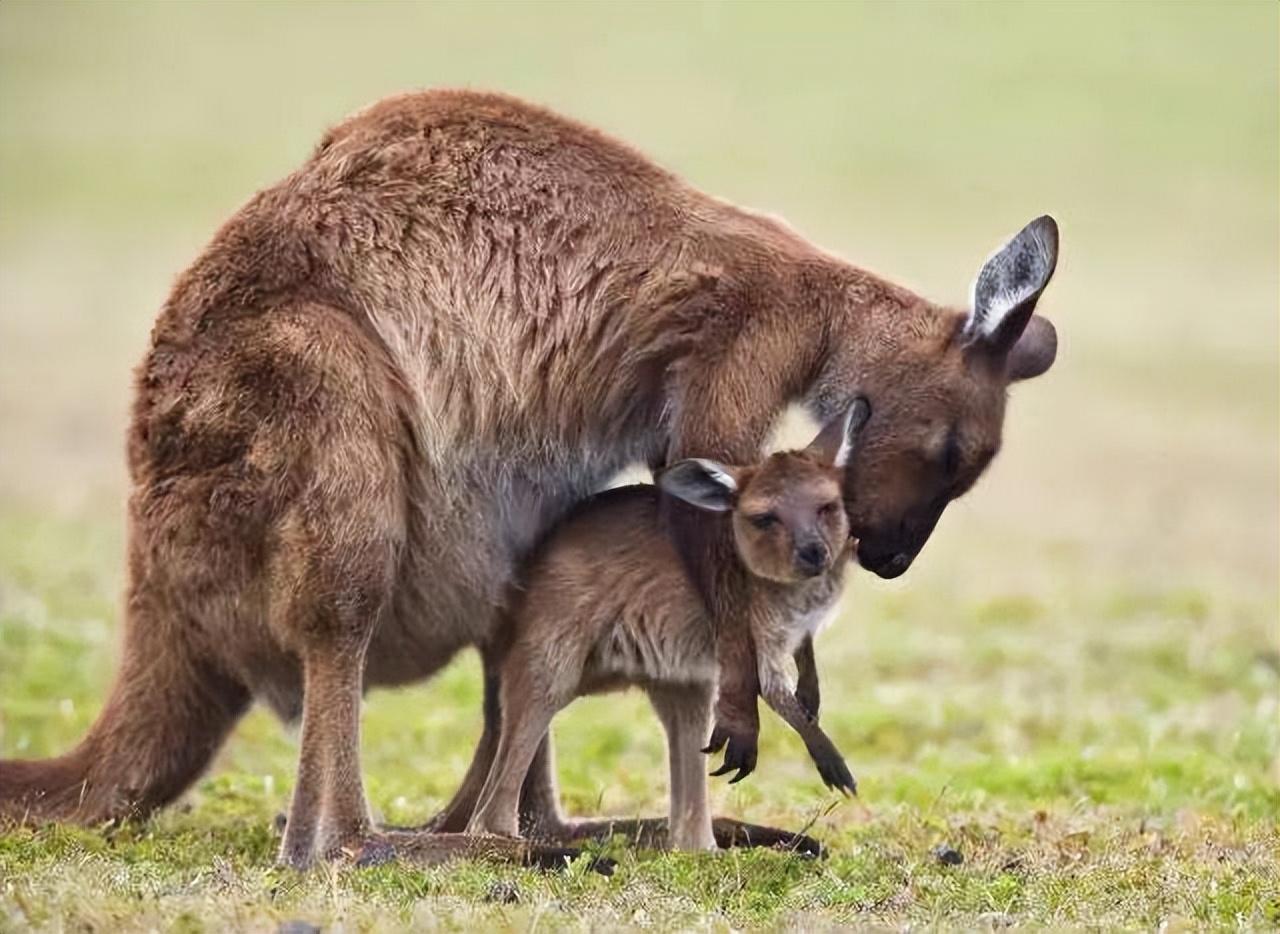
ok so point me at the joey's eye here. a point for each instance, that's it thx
(763, 520)
(829, 509)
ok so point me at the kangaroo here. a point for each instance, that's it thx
(390, 373)
(606, 602)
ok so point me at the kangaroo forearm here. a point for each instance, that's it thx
(830, 763)
(782, 701)
(808, 692)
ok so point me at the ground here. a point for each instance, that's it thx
(1076, 689)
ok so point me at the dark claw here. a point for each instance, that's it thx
(740, 756)
(719, 736)
(835, 773)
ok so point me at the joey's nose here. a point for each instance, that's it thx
(811, 559)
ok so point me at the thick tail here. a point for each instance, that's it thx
(166, 716)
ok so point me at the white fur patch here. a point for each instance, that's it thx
(793, 428)
(983, 324)
(846, 442)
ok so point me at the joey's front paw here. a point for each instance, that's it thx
(740, 751)
(835, 774)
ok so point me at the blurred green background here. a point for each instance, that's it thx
(1093, 628)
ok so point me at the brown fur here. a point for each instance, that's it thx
(606, 603)
(388, 374)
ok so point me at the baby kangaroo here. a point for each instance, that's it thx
(607, 603)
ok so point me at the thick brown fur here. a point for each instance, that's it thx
(388, 374)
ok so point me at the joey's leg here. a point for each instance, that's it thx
(807, 691)
(685, 712)
(541, 820)
(779, 695)
(526, 716)
(540, 815)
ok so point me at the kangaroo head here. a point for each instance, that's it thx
(789, 523)
(936, 380)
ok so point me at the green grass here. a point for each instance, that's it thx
(1078, 687)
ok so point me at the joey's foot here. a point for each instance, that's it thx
(734, 833)
(740, 750)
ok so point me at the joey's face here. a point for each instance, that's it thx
(788, 516)
(789, 523)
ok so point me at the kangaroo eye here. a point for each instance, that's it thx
(951, 456)
(829, 509)
(764, 520)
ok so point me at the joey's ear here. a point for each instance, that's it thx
(1009, 285)
(701, 483)
(836, 441)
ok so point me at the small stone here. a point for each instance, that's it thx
(947, 855)
(504, 893)
(297, 927)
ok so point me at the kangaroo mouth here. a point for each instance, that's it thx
(885, 564)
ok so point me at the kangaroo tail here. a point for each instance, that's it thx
(164, 719)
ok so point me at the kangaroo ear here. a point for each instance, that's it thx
(1034, 351)
(701, 483)
(1009, 285)
(836, 441)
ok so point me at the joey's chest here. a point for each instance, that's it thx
(801, 613)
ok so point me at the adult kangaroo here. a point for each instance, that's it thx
(391, 372)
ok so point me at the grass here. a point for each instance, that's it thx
(1078, 688)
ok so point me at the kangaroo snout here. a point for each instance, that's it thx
(812, 559)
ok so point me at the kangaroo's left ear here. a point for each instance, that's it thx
(836, 441)
(1005, 294)
(703, 483)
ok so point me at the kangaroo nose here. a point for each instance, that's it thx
(811, 558)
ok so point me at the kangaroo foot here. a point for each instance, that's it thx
(731, 833)
(432, 849)
(652, 833)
